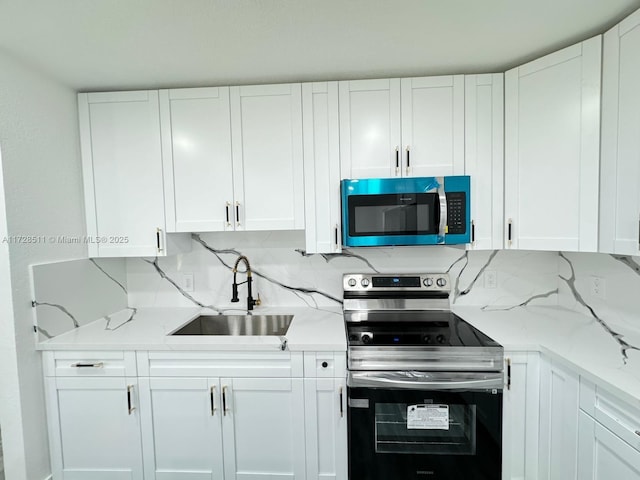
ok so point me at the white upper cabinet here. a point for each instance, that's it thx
(552, 131)
(196, 137)
(620, 170)
(122, 169)
(233, 158)
(432, 126)
(268, 181)
(322, 167)
(370, 128)
(408, 127)
(484, 158)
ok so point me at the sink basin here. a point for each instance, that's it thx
(236, 325)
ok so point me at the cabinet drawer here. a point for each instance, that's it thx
(89, 364)
(325, 364)
(622, 419)
(220, 364)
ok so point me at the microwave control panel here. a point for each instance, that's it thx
(456, 213)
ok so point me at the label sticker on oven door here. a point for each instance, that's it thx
(428, 417)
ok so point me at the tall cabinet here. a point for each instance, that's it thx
(620, 169)
(552, 131)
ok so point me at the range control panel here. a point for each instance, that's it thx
(425, 282)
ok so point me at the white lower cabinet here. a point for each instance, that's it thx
(558, 422)
(94, 428)
(603, 455)
(326, 428)
(263, 428)
(182, 429)
(520, 416)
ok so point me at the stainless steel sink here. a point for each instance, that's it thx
(236, 325)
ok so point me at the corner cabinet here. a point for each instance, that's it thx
(552, 132)
(620, 170)
(402, 127)
(122, 172)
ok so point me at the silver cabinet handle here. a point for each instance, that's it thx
(335, 235)
(225, 410)
(340, 399)
(227, 212)
(508, 360)
(158, 235)
(238, 214)
(510, 231)
(212, 393)
(88, 365)
(129, 399)
(473, 232)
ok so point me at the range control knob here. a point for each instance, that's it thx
(440, 339)
(426, 339)
(364, 282)
(428, 282)
(352, 282)
(441, 282)
(366, 338)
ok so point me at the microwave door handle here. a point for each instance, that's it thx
(442, 224)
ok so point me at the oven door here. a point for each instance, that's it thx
(419, 425)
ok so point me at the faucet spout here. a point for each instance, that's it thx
(234, 288)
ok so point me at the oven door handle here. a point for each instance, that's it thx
(426, 381)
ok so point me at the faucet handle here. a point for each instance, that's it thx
(258, 301)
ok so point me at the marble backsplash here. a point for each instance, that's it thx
(70, 294)
(67, 295)
(284, 274)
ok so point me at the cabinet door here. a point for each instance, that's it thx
(326, 428)
(94, 428)
(266, 128)
(484, 158)
(196, 136)
(370, 128)
(122, 169)
(322, 167)
(552, 125)
(620, 171)
(263, 428)
(603, 455)
(558, 422)
(432, 126)
(520, 417)
(182, 430)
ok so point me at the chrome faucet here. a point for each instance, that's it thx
(234, 296)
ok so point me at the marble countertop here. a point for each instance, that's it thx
(149, 329)
(577, 340)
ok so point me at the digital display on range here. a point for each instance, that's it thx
(396, 281)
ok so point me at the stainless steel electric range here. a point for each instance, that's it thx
(424, 386)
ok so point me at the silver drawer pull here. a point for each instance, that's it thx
(88, 365)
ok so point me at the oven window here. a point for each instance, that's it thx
(391, 214)
(427, 434)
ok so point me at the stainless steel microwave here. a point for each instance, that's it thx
(406, 211)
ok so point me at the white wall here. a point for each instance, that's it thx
(43, 196)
